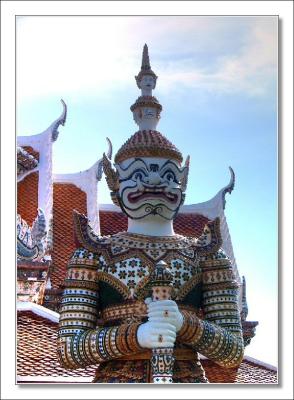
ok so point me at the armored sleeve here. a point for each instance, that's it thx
(218, 336)
(80, 341)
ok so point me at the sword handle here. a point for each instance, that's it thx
(162, 360)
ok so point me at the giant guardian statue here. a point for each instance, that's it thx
(143, 304)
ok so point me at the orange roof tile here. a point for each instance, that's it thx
(27, 197)
(66, 198)
(36, 348)
(37, 358)
(112, 222)
(247, 372)
(190, 224)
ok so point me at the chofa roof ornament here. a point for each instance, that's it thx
(60, 121)
(100, 163)
(229, 188)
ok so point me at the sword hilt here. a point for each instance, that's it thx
(162, 360)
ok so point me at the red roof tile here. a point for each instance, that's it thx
(27, 197)
(247, 372)
(190, 224)
(112, 222)
(185, 224)
(36, 348)
(66, 198)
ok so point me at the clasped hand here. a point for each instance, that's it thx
(164, 321)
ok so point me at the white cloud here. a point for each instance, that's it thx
(69, 54)
(251, 70)
(58, 55)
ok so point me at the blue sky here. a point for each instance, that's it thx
(217, 86)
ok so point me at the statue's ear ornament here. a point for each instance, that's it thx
(186, 173)
(112, 179)
(111, 174)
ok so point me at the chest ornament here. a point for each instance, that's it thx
(126, 260)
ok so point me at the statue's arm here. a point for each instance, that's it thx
(80, 341)
(218, 336)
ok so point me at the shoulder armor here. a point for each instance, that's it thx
(85, 236)
(210, 240)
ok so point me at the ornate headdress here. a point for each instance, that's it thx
(148, 144)
(147, 101)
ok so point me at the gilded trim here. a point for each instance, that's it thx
(114, 282)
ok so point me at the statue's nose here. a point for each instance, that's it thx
(154, 178)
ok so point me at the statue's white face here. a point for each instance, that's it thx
(151, 186)
(146, 118)
(147, 83)
(149, 112)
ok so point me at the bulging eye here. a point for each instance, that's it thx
(138, 175)
(170, 176)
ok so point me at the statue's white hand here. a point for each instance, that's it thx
(165, 311)
(153, 335)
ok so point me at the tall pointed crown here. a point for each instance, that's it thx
(145, 67)
(147, 142)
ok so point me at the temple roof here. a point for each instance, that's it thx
(41, 144)
(87, 181)
(36, 141)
